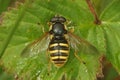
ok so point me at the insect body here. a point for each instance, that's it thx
(58, 47)
(58, 41)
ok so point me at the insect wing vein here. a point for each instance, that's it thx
(36, 47)
(81, 45)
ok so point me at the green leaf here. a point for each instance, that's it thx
(100, 5)
(4, 75)
(12, 30)
(3, 5)
(111, 29)
(107, 34)
(105, 37)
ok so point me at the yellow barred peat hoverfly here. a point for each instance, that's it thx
(58, 41)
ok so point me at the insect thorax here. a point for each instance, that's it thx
(58, 29)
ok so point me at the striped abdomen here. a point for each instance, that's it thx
(59, 51)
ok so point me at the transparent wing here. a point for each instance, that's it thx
(81, 45)
(37, 46)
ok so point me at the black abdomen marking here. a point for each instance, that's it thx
(59, 51)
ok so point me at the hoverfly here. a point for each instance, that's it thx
(58, 41)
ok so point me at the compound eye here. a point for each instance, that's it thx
(58, 19)
(62, 19)
(54, 19)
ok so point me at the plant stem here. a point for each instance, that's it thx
(97, 21)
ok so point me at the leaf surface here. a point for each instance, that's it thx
(105, 37)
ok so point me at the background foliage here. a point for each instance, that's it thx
(105, 37)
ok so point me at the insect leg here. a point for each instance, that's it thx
(43, 29)
(49, 61)
(49, 66)
(75, 53)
